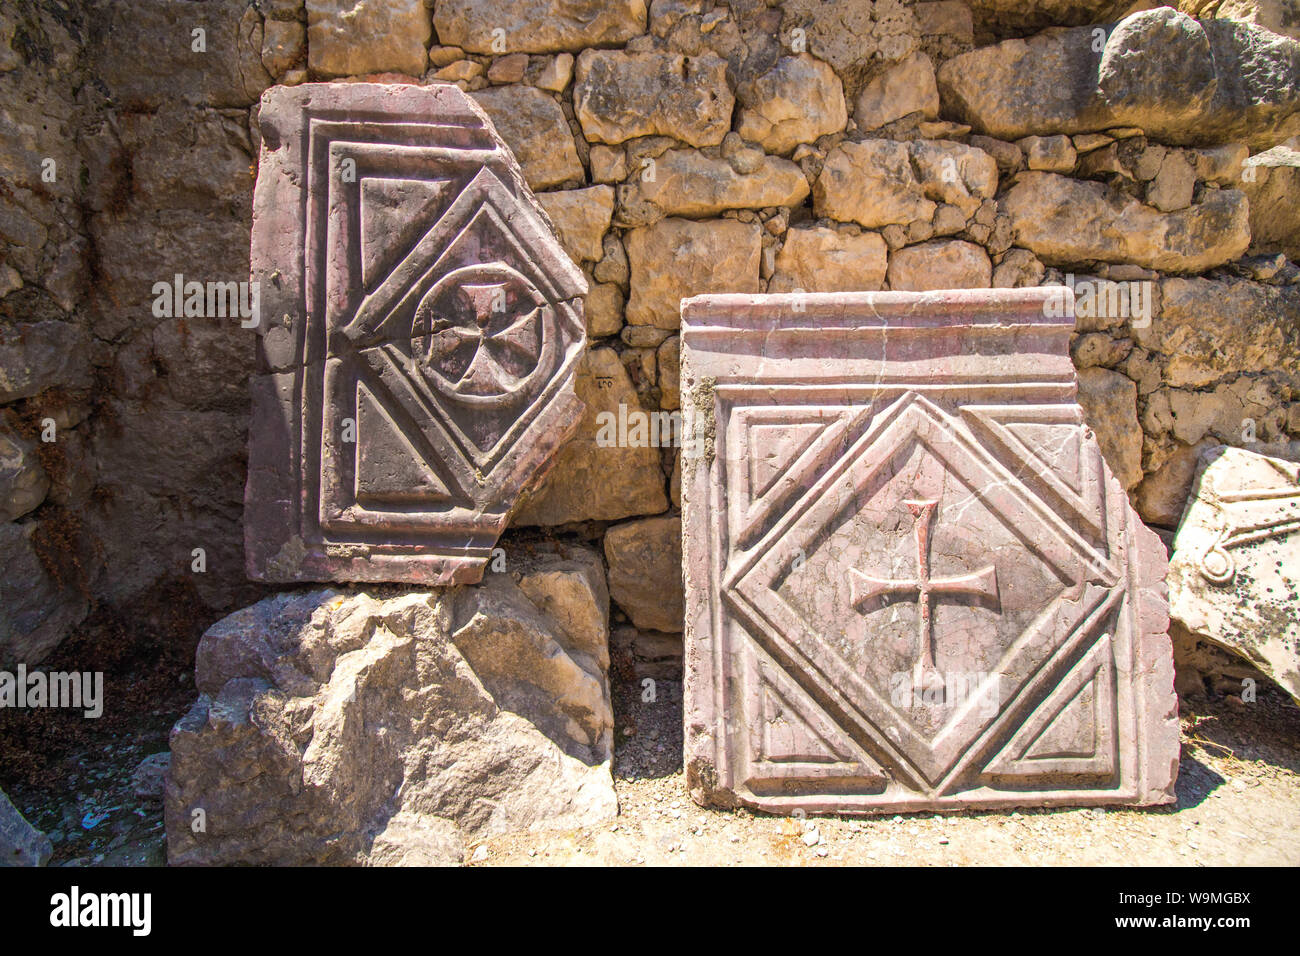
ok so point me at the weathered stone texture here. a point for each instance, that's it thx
(21, 844)
(1271, 181)
(37, 607)
(880, 182)
(581, 218)
(795, 102)
(906, 87)
(676, 258)
(903, 594)
(534, 127)
(347, 728)
(1183, 81)
(284, 45)
(685, 182)
(1235, 569)
(818, 258)
(41, 355)
(537, 26)
(940, 264)
(155, 178)
(226, 72)
(645, 567)
(594, 478)
(354, 37)
(870, 183)
(850, 34)
(1015, 17)
(1257, 328)
(23, 482)
(620, 96)
(1109, 402)
(1067, 222)
(1279, 16)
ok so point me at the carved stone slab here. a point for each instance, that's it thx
(912, 582)
(1235, 574)
(420, 326)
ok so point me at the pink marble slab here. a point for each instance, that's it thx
(420, 327)
(912, 582)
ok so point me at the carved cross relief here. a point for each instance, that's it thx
(900, 491)
(425, 324)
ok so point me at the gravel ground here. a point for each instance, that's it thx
(1238, 804)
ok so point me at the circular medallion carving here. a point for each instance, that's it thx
(479, 334)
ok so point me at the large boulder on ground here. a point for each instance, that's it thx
(354, 727)
(1235, 572)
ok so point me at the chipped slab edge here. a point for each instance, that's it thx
(273, 550)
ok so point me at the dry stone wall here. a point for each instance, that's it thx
(680, 147)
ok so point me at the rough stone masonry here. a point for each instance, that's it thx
(912, 582)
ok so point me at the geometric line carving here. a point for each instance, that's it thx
(792, 738)
(786, 446)
(1047, 448)
(1072, 733)
(420, 335)
(381, 475)
(392, 213)
(906, 549)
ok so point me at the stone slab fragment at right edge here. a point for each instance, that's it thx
(1234, 577)
(912, 581)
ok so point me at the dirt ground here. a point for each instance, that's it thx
(1238, 804)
